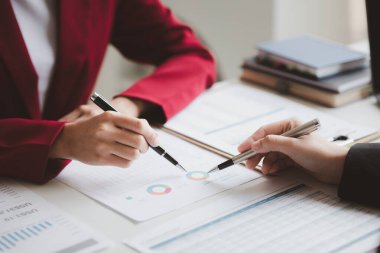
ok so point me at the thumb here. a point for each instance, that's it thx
(277, 143)
(71, 116)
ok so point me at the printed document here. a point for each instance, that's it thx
(152, 186)
(30, 224)
(226, 115)
(297, 219)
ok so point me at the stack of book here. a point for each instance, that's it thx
(315, 69)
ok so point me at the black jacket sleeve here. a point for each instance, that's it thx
(361, 174)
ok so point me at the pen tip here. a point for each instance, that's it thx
(179, 166)
(213, 169)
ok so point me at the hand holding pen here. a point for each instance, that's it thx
(97, 138)
(313, 153)
(104, 105)
(296, 132)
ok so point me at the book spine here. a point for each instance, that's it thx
(289, 87)
(250, 64)
(286, 65)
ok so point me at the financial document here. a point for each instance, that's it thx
(226, 115)
(297, 219)
(30, 224)
(152, 186)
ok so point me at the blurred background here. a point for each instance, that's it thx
(231, 29)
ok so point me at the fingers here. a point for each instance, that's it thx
(71, 116)
(131, 139)
(133, 132)
(266, 146)
(82, 112)
(274, 162)
(267, 139)
(274, 128)
(305, 152)
(136, 125)
(107, 139)
(125, 152)
(118, 161)
(269, 163)
(114, 154)
(269, 143)
(254, 161)
(244, 146)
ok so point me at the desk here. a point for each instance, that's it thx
(117, 227)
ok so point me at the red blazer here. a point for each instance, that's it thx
(142, 30)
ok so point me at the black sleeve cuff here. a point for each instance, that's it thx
(361, 174)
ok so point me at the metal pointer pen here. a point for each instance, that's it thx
(104, 105)
(296, 132)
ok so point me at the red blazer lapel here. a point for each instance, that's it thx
(17, 60)
(72, 48)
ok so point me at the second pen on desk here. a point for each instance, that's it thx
(105, 106)
(296, 132)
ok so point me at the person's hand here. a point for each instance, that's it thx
(124, 105)
(322, 159)
(109, 138)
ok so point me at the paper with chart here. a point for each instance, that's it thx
(297, 219)
(226, 115)
(30, 224)
(152, 186)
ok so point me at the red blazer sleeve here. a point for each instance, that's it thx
(147, 32)
(143, 30)
(24, 140)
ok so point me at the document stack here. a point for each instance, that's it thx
(315, 69)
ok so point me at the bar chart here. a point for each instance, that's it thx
(10, 239)
(30, 224)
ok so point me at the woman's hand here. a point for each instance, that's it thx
(110, 138)
(322, 159)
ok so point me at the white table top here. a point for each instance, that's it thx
(117, 228)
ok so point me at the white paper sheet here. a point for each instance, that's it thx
(298, 219)
(225, 116)
(30, 224)
(152, 186)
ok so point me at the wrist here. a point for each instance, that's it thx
(58, 149)
(339, 161)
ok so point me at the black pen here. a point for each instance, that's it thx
(299, 131)
(105, 106)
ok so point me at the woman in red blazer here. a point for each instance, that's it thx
(36, 143)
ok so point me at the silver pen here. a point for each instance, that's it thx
(296, 132)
